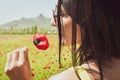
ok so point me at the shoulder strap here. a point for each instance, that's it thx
(83, 74)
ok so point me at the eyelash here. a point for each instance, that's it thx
(63, 15)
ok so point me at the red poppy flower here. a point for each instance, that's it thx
(40, 41)
(33, 74)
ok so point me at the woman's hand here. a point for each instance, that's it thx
(17, 65)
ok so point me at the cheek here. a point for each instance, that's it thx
(68, 31)
(67, 27)
(67, 21)
(67, 24)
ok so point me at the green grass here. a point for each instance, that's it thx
(39, 59)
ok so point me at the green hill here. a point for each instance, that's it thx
(39, 21)
(28, 26)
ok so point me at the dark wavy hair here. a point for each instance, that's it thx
(99, 22)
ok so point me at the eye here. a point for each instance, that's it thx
(36, 41)
(63, 15)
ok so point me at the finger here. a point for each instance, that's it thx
(9, 57)
(15, 56)
(23, 54)
(8, 69)
(9, 60)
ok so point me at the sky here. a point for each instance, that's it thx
(15, 9)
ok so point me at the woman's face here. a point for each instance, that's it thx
(67, 28)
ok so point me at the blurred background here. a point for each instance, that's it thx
(26, 16)
(19, 21)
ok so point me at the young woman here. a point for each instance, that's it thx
(94, 25)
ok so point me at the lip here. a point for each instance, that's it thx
(41, 41)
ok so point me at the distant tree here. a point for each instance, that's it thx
(11, 28)
(28, 29)
(34, 29)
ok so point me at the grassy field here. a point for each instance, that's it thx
(43, 63)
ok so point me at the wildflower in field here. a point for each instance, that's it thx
(59, 67)
(64, 59)
(33, 74)
(33, 61)
(52, 62)
(46, 67)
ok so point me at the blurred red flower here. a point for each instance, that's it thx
(33, 74)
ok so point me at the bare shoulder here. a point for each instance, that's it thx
(92, 69)
(68, 74)
(91, 65)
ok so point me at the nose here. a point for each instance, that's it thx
(52, 23)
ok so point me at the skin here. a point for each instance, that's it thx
(17, 65)
(68, 74)
(67, 28)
